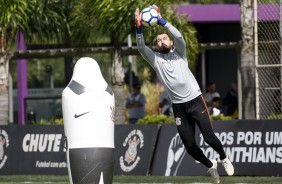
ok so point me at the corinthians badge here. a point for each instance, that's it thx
(4, 143)
(134, 141)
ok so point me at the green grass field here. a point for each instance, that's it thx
(142, 179)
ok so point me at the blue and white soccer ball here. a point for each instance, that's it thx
(149, 16)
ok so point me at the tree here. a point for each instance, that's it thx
(116, 19)
(247, 61)
(13, 16)
(38, 20)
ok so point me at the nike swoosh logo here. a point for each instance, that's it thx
(203, 111)
(78, 115)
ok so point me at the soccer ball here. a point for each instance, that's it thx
(149, 16)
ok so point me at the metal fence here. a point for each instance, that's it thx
(268, 20)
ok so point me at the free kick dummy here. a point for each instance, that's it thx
(88, 110)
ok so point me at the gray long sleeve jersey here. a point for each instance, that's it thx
(172, 68)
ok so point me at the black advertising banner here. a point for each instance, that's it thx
(254, 147)
(32, 149)
(134, 147)
(39, 149)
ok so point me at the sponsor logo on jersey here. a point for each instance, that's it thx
(79, 115)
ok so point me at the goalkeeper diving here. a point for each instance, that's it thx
(171, 66)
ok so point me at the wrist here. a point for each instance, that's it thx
(162, 21)
(139, 30)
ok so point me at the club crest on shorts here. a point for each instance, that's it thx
(178, 121)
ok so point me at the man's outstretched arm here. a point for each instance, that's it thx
(179, 42)
(146, 52)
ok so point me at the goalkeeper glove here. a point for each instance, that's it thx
(161, 20)
(138, 21)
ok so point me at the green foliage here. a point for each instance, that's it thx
(116, 19)
(14, 15)
(40, 20)
(274, 116)
(47, 22)
(221, 117)
(51, 122)
(44, 122)
(162, 119)
(156, 119)
(58, 121)
(32, 122)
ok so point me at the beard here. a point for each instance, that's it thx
(164, 49)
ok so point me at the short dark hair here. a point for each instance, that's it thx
(210, 83)
(216, 99)
(162, 31)
(136, 85)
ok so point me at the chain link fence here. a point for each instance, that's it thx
(269, 59)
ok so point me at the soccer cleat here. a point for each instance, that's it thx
(228, 166)
(213, 172)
